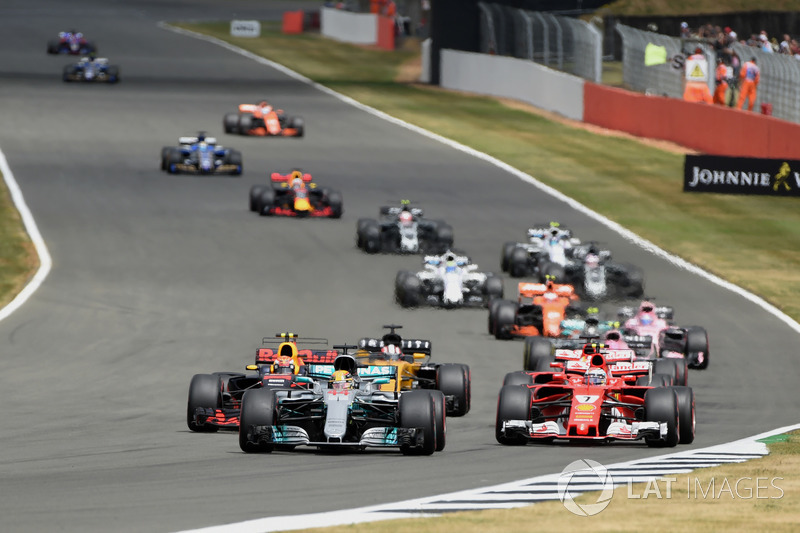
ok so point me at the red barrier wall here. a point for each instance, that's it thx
(293, 22)
(710, 129)
(386, 29)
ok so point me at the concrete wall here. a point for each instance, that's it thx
(509, 77)
(345, 26)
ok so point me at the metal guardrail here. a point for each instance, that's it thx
(559, 42)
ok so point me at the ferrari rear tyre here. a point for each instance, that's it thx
(417, 411)
(661, 405)
(686, 413)
(204, 391)
(258, 409)
(518, 378)
(513, 403)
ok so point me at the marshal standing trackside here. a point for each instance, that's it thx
(741, 175)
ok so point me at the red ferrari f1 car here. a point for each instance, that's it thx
(295, 195)
(597, 395)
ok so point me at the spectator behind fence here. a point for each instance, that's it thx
(750, 75)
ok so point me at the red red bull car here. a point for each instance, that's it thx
(295, 195)
(602, 396)
(262, 120)
(215, 400)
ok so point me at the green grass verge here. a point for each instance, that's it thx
(18, 258)
(751, 241)
(695, 503)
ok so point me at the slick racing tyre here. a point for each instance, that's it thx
(518, 378)
(493, 305)
(439, 416)
(234, 157)
(537, 354)
(505, 255)
(417, 411)
(204, 391)
(686, 413)
(336, 204)
(230, 122)
(245, 124)
(661, 405)
(454, 380)
(165, 156)
(255, 196)
(258, 409)
(697, 351)
(493, 287)
(407, 289)
(112, 74)
(505, 317)
(518, 263)
(670, 367)
(175, 158)
(513, 403)
(266, 202)
(555, 271)
(361, 224)
(372, 237)
(444, 236)
(299, 125)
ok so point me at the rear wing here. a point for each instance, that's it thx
(393, 210)
(529, 290)
(193, 140)
(277, 177)
(662, 311)
(408, 346)
(365, 372)
(609, 355)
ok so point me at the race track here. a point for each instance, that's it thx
(158, 277)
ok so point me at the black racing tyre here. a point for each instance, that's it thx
(234, 157)
(245, 124)
(417, 411)
(112, 74)
(454, 380)
(696, 344)
(662, 380)
(505, 318)
(299, 125)
(204, 391)
(493, 305)
(68, 72)
(255, 196)
(439, 418)
(668, 367)
(686, 413)
(266, 202)
(165, 156)
(258, 409)
(336, 204)
(634, 282)
(409, 293)
(555, 271)
(513, 403)
(175, 158)
(661, 405)
(493, 287)
(444, 236)
(518, 263)
(52, 46)
(372, 237)
(505, 255)
(361, 224)
(517, 378)
(230, 122)
(537, 354)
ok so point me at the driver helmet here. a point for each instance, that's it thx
(341, 380)
(282, 365)
(592, 260)
(596, 376)
(265, 107)
(647, 313)
(297, 179)
(406, 218)
(202, 146)
(392, 351)
(612, 335)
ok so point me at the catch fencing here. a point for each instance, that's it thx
(563, 43)
(780, 74)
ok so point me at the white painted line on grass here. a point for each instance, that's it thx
(574, 204)
(45, 261)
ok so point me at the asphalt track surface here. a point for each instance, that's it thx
(158, 277)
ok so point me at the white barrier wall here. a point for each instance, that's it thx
(348, 27)
(509, 77)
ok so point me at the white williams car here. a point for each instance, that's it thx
(448, 280)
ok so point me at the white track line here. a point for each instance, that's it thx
(574, 204)
(45, 261)
(384, 512)
(519, 493)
